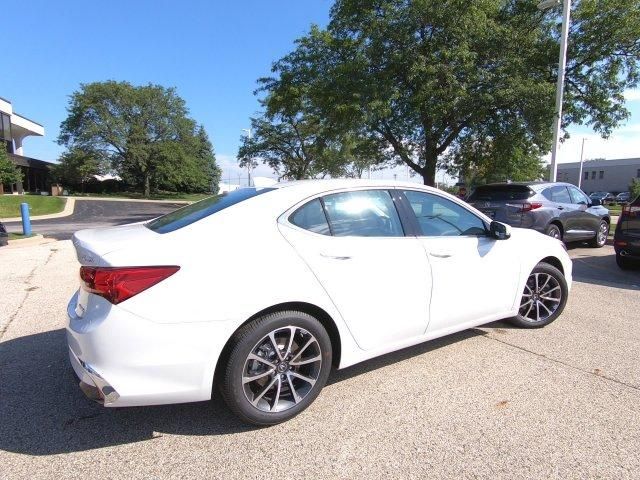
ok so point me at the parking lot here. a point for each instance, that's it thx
(494, 402)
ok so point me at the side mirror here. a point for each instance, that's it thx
(499, 231)
(596, 202)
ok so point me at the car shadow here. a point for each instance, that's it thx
(43, 411)
(603, 270)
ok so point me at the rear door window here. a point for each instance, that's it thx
(558, 194)
(363, 213)
(311, 217)
(197, 211)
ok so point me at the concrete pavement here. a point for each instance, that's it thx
(494, 402)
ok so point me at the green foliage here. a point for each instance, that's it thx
(634, 188)
(76, 167)
(144, 133)
(459, 84)
(9, 173)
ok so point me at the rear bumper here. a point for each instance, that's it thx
(124, 360)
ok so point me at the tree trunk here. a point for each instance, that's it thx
(429, 171)
(147, 185)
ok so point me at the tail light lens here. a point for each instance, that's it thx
(527, 207)
(630, 210)
(117, 284)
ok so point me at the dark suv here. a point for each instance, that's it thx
(4, 236)
(560, 210)
(626, 240)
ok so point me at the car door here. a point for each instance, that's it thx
(589, 216)
(475, 277)
(378, 278)
(568, 212)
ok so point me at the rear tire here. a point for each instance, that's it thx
(543, 299)
(554, 231)
(277, 366)
(602, 234)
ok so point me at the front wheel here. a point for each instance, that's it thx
(601, 235)
(543, 299)
(277, 366)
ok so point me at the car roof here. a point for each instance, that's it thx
(312, 187)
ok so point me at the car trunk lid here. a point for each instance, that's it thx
(93, 244)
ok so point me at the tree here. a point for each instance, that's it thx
(425, 80)
(77, 167)
(634, 189)
(143, 131)
(9, 173)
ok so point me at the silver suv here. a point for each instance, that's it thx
(557, 209)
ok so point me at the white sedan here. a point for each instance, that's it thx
(260, 292)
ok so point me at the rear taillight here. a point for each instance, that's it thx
(117, 284)
(630, 210)
(527, 207)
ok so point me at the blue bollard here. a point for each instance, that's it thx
(26, 221)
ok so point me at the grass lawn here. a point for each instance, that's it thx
(614, 209)
(38, 205)
(185, 197)
(19, 236)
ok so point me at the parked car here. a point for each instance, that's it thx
(4, 236)
(604, 197)
(626, 240)
(260, 292)
(558, 209)
(623, 197)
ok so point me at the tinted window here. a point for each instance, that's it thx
(557, 194)
(438, 216)
(501, 192)
(197, 211)
(311, 217)
(578, 197)
(368, 213)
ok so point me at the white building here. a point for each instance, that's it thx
(14, 128)
(613, 176)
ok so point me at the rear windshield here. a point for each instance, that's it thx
(197, 211)
(501, 192)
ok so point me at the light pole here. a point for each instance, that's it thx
(248, 130)
(566, 18)
(581, 163)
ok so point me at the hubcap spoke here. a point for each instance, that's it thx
(541, 297)
(282, 369)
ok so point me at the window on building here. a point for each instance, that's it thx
(586, 175)
(593, 175)
(601, 176)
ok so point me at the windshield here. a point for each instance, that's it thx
(196, 211)
(501, 192)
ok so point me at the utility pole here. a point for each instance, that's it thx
(248, 130)
(581, 163)
(557, 118)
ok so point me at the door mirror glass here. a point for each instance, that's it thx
(499, 231)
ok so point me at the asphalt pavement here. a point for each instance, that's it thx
(95, 214)
(495, 402)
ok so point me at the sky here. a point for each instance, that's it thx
(211, 51)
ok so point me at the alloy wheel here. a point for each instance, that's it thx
(603, 233)
(541, 297)
(281, 369)
(554, 232)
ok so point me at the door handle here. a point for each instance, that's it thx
(336, 257)
(440, 255)
(559, 207)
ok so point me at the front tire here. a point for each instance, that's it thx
(601, 235)
(543, 299)
(277, 366)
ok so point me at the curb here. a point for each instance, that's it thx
(141, 200)
(25, 242)
(69, 206)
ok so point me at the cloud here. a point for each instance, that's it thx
(624, 143)
(632, 95)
